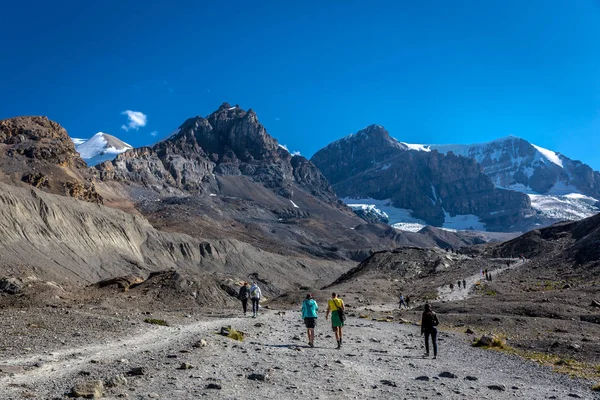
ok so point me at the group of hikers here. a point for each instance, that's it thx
(337, 311)
(464, 284)
(254, 294)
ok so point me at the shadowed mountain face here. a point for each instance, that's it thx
(563, 244)
(371, 164)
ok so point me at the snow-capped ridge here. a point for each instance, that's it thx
(100, 147)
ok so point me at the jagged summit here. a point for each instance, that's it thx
(228, 142)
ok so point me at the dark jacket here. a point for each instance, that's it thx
(429, 321)
(244, 293)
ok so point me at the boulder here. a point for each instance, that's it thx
(88, 390)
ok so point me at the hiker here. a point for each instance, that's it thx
(309, 315)
(243, 296)
(451, 286)
(335, 306)
(481, 270)
(459, 283)
(407, 301)
(490, 279)
(255, 295)
(402, 302)
(429, 321)
(464, 284)
(507, 263)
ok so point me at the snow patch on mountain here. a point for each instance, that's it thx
(395, 215)
(569, 207)
(100, 147)
(369, 212)
(417, 147)
(549, 155)
(465, 222)
(408, 226)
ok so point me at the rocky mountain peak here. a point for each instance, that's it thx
(375, 135)
(228, 142)
(38, 152)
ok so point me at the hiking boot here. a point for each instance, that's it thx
(426, 355)
(311, 344)
(434, 357)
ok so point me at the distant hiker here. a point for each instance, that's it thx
(402, 302)
(309, 315)
(451, 286)
(481, 270)
(507, 263)
(459, 283)
(486, 272)
(490, 278)
(464, 284)
(243, 295)
(255, 295)
(335, 306)
(407, 301)
(429, 321)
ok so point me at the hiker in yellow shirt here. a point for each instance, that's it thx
(335, 306)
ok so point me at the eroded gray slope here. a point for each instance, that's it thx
(77, 243)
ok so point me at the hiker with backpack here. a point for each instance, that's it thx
(255, 295)
(243, 295)
(335, 306)
(309, 315)
(429, 322)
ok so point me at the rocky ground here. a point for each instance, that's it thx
(48, 352)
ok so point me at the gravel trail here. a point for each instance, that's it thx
(462, 293)
(379, 360)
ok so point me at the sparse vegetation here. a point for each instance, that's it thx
(231, 333)
(154, 321)
(596, 387)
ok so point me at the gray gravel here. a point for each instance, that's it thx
(379, 360)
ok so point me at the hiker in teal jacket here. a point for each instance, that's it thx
(309, 315)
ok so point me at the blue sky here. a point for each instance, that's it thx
(314, 71)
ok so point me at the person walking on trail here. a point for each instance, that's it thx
(464, 284)
(402, 302)
(243, 295)
(459, 283)
(309, 315)
(255, 295)
(335, 306)
(407, 301)
(429, 322)
(452, 286)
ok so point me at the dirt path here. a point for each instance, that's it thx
(378, 360)
(462, 293)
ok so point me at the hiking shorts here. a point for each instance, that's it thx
(310, 322)
(336, 321)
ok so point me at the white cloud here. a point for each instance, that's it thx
(153, 133)
(136, 119)
(296, 153)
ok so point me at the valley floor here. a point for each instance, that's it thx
(379, 360)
